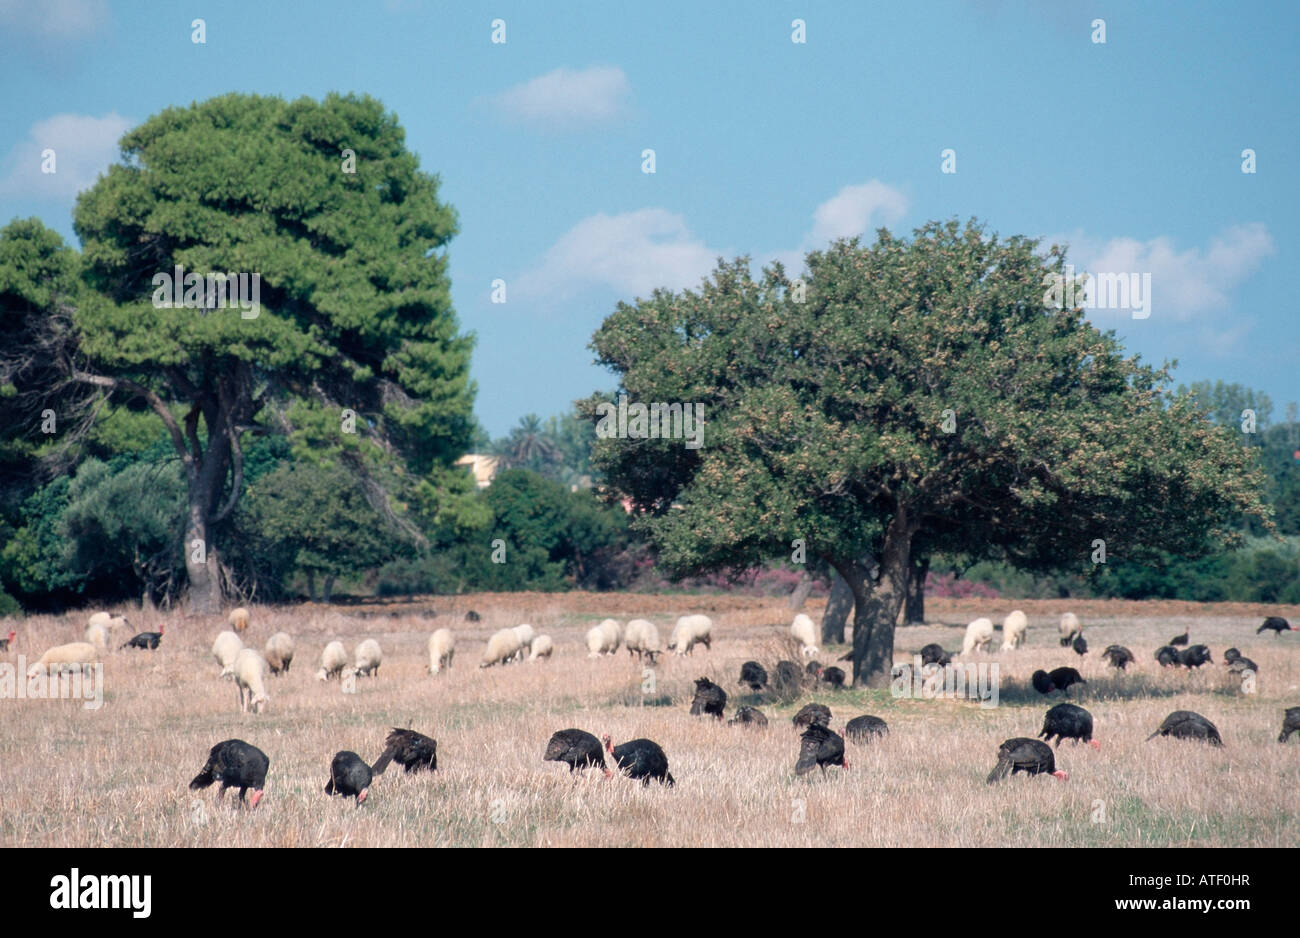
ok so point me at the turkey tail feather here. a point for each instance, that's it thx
(382, 762)
(1000, 771)
(203, 779)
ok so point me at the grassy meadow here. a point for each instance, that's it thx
(117, 776)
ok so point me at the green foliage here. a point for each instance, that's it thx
(309, 519)
(824, 417)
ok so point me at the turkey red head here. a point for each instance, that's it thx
(255, 797)
(609, 743)
(1062, 775)
(1095, 744)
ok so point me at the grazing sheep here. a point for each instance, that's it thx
(332, 661)
(367, 659)
(641, 637)
(1069, 628)
(542, 647)
(501, 648)
(250, 672)
(442, 648)
(238, 619)
(279, 652)
(1013, 630)
(74, 653)
(225, 649)
(526, 635)
(604, 639)
(978, 635)
(805, 634)
(690, 631)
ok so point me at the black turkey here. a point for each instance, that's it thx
(349, 776)
(411, 750)
(1080, 645)
(472, 616)
(1240, 664)
(1030, 756)
(750, 716)
(1063, 678)
(1290, 723)
(1277, 624)
(577, 749)
(1066, 721)
(819, 747)
(934, 654)
(1042, 682)
(1118, 656)
(1184, 724)
(641, 759)
(1195, 656)
(1167, 655)
(861, 729)
(146, 640)
(5, 642)
(787, 675)
(753, 675)
(709, 698)
(813, 668)
(812, 714)
(1181, 639)
(235, 764)
(832, 676)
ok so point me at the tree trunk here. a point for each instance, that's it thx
(838, 607)
(801, 591)
(914, 608)
(877, 600)
(329, 589)
(201, 562)
(311, 585)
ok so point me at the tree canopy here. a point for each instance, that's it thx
(353, 353)
(911, 391)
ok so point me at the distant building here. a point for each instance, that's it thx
(483, 467)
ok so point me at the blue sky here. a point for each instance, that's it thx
(1130, 150)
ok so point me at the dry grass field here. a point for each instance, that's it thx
(117, 776)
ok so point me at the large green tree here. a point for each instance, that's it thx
(322, 200)
(914, 391)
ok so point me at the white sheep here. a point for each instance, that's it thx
(805, 634)
(501, 647)
(442, 647)
(100, 618)
(690, 631)
(1013, 630)
(1069, 627)
(74, 653)
(250, 674)
(641, 637)
(225, 649)
(333, 660)
(526, 635)
(238, 619)
(97, 635)
(978, 635)
(604, 638)
(367, 659)
(279, 652)
(542, 647)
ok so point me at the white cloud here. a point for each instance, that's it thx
(568, 98)
(854, 210)
(1184, 283)
(64, 20)
(631, 253)
(83, 146)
